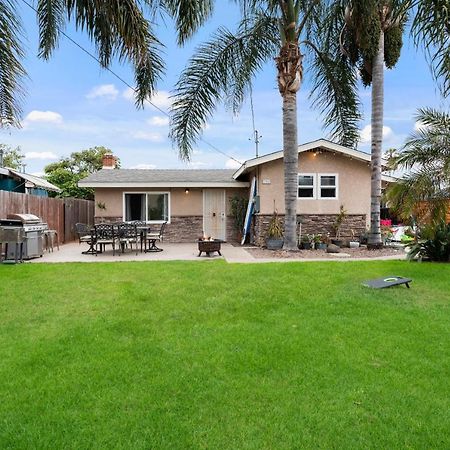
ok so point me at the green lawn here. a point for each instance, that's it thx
(180, 355)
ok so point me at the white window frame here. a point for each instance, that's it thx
(314, 186)
(146, 204)
(319, 185)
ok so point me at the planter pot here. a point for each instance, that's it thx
(337, 242)
(354, 244)
(274, 244)
(306, 245)
(321, 246)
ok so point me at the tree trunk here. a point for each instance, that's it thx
(289, 65)
(374, 239)
(290, 150)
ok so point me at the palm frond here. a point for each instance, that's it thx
(221, 69)
(51, 21)
(117, 28)
(12, 72)
(189, 15)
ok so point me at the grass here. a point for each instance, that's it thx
(179, 355)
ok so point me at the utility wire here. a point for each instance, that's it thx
(126, 82)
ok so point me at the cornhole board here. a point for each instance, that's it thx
(385, 282)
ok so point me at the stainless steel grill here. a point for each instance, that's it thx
(30, 227)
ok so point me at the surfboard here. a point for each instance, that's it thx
(249, 212)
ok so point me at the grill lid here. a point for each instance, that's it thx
(25, 218)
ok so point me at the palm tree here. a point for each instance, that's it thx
(371, 37)
(424, 192)
(117, 28)
(223, 68)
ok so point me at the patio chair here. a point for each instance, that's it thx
(128, 235)
(105, 234)
(152, 236)
(83, 232)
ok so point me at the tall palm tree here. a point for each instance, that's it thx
(223, 68)
(117, 28)
(371, 37)
(424, 191)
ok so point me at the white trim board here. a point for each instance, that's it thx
(199, 184)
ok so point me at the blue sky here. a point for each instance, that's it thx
(72, 104)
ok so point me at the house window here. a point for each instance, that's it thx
(328, 186)
(306, 185)
(149, 207)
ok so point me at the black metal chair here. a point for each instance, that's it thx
(128, 235)
(83, 232)
(105, 234)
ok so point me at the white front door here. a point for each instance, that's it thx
(214, 213)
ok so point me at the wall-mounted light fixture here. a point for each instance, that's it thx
(186, 191)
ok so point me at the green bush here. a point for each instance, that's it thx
(433, 243)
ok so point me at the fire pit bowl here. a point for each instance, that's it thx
(209, 246)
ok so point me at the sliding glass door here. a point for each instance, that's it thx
(149, 207)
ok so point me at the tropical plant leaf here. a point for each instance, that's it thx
(12, 72)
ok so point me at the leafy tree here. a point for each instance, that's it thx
(424, 192)
(117, 29)
(67, 172)
(223, 68)
(12, 157)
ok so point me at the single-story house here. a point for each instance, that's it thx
(197, 202)
(14, 181)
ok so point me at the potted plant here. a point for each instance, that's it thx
(320, 242)
(306, 242)
(274, 239)
(338, 225)
(354, 243)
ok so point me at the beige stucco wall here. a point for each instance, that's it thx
(181, 204)
(353, 184)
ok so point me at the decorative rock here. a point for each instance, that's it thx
(333, 249)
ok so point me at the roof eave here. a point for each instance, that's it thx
(178, 184)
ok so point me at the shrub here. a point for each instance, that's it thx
(433, 243)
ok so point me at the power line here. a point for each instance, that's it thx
(126, 82)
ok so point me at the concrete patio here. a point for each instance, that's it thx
(72, 252)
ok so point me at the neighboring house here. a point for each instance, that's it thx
(194, 202)
(15, 181)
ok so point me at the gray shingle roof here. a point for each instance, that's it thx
(160, 176)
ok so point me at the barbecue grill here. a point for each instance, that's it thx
(27, 225)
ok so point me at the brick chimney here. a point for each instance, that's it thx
(109, 161)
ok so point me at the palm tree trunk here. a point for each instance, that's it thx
(290, 150)
(289, 66)
(374, 240)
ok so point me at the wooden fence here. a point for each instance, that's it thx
(61, 214)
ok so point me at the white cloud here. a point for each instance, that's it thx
(367, 130)
(160, 98)
(108, 91)
(158, 121)
(40, 155)
(148, 136)
(44, 117)
(232, 164)
(38, 174)
(144, 166)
